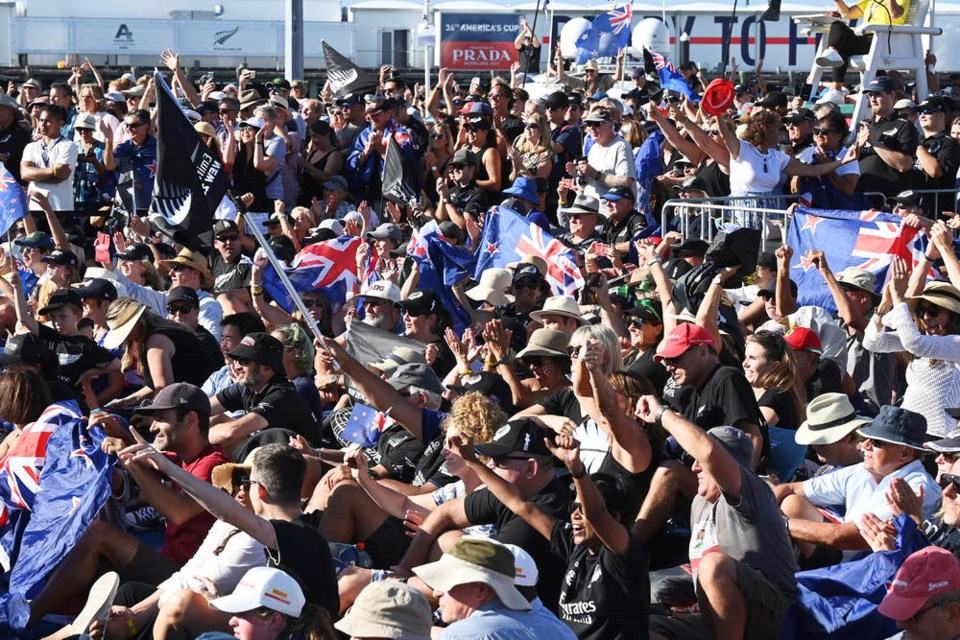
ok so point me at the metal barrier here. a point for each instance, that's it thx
(707, 205)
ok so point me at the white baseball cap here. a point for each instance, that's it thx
(264, 587)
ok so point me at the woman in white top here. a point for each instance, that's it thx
(179, 603)
(758, 167)
(930, 335)
(91, 101)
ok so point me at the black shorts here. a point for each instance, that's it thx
(388, 543)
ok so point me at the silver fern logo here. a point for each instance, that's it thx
(220, 37)
(340, 78)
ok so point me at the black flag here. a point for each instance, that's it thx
(772, 14)
(399, 181)
(346, 77)
(190, 180)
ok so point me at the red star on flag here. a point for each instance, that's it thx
(811, 223)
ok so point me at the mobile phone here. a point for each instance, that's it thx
(253, 73)
(603, 249)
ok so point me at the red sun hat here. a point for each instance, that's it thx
(718, 97)
(683, 337)
(925, 574)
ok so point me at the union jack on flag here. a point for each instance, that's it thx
(508, 237)
(330, 265)
(20, 470)
(864, 239)
(620, 18)
(365, 425)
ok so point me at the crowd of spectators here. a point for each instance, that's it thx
(659, 455)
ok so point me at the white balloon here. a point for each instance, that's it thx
(569, 35)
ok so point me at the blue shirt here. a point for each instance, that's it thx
(142, 161)
(493, 621)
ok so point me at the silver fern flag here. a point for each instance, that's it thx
(191, 180)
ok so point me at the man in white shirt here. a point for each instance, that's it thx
(609, 162)
(826, 511)
(48, 164)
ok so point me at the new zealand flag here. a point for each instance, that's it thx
(609, 33)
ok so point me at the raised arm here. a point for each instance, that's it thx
(708, 452)
(217, 502)
(504, 491)
(629, 443)
(612, 533)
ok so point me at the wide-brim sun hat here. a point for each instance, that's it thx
(942, 294)
(123, 323)
(830, 418)
(565, 306)
(548, 343)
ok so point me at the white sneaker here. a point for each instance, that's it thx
(830, 58)
(99, 601)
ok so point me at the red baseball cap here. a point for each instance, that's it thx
(683, 337)
(717, 97)
(803, 339)
(926, 573)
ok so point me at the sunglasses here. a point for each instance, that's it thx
(471, 127)
(242, 361)
(224, 112)
(534, 361)
(528, 283)
(310, 303)
(178, 268)
(929, 112)
(879, 444)
(928, 310)
(818, 131)
(501, 460)
(635, 323)
(573, 351)
(174, 309)
(231, 238)
(950, 480)
(437, 136)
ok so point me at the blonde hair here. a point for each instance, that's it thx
(475, 416)
(293, 336)
(609, 340)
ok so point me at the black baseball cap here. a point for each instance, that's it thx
(262, 348)
(223, 225)
(800, 115)
(62, 257)
(523, 435)
(98, 289)
(619, 193)
(422, 302)
(183, 294)
(135, 253)
(62, 297)
(26, 348)
(179, 395)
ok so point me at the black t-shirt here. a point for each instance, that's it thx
(896, 134)
(303, 553)
(716, 182)
(210, 346)
(398, 451)
(76, 354)
(828, 378)
(563, 403)
(512, 128)
(655, 372)
(229, 276)
(782, 402)
(529, 58)
(469, 198)
(947, 151)
(13, 140)
(278, 403)
(604, 596)
(630, 226)
(190, 362)
(482, 507)
(726, 398)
